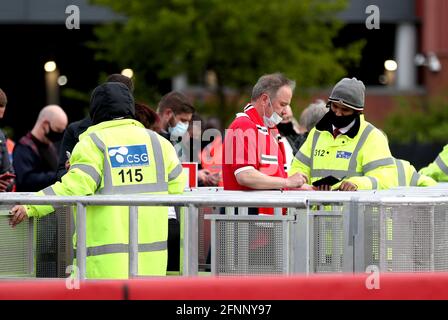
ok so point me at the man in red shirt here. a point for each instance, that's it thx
(253, 155)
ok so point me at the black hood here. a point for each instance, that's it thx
(111, 100)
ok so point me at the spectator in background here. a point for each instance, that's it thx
(211, 153)
(190, 148)
(289, 136)
(71, 135)
(292, 137)
(175, 112)
(148, 117)
(6, 169)
(35, 155)
(310, 117)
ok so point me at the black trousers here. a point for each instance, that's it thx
(173, 244)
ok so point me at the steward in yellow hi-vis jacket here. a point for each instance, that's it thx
(117, 155)
(408, 176)
(346, 146)
(438, 170)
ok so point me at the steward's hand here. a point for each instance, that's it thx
(348, 186)
(17, 215)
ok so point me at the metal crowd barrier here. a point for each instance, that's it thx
(404, 229)
(16, 247)
(190, 201)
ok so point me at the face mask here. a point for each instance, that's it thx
(179, 130)
(54, 136)
(341, 121)
(273, 120)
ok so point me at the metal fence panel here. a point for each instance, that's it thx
(250, 245)
(405, 237)
(441, 238)
(16, 247)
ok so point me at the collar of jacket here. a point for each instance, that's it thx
(325, 125)
(250, 110)
(110, 124)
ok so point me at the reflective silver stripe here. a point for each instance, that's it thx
(377, 163)
(48, 191)
(303, 158)
(374, 182)
(316, 173)
(175, 172)
(415, 177)
(107, 170)
(313, 147)
(155, 246)
(136, 188)
(269, 159)
(401, 173)
(88, 170)
(124, 248)
(159, 186)
(268, 162)
(353, 160)
(442, 165)
(158, 157)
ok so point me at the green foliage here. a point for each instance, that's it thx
(238, 39)
(235, 37)
(419, 121)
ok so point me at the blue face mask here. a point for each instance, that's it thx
(179, 130)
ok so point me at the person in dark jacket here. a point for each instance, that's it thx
(74, 129)
(6, 169)
(35, 155)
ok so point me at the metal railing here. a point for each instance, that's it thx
(191, 201)
(306, 250)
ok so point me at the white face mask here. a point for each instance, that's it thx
(179, 130)
(273, 120)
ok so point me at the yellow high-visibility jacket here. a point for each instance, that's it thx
(408, 176)
(438, 170)
(121, 157)
(360, 156)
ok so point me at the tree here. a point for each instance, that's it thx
(238, 39)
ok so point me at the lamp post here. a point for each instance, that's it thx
(51, 82)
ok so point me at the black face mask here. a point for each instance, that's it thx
(54, 136)
(341, 121)
(285, 128)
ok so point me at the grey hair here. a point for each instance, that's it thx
(312, 114)
(270, 84)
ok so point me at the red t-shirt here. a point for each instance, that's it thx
(248, 143)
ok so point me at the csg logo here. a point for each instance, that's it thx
(128, 156)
